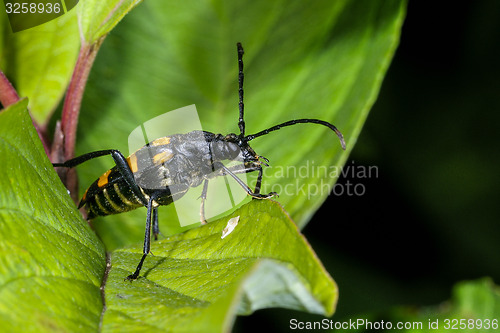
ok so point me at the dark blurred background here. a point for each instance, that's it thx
(431, 216)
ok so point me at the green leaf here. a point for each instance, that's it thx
(39, 61)
(474, 307)
(97, 18)
(51, 263)
(198, 280)
(323, 60)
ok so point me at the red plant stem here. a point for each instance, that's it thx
(41, 135)
(9, 96)
(71, 111)
(74, 95)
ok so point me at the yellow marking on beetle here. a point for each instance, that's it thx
(103, 180)
(111, 202)
(144, 194)
(132, 163)
(84, 197)
(162, 157)
(101, 206)
(121, 196)
(160, 142)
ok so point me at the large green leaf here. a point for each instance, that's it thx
(52, 266)
(324, 59)
(97, 18)
(39, 61)
(51, 263)
(474, 307)
(198, 280)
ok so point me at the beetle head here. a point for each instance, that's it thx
(232, 147)
(224, 148)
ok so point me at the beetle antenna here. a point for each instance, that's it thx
(294, 122)
(241, 76)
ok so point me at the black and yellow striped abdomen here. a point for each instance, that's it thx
(109, 194)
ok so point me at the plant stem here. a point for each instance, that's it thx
(70, 113)
(74, 95)
(8, 94)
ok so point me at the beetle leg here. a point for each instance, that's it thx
(203, 199)
(259, 181)
(121, 163)
(83, 158)
(151, 214)
(156, 228)
(227, 171)
(128, 175)
(242, 169)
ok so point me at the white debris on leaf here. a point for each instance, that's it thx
(231, 224)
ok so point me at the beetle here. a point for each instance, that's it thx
(165, 168)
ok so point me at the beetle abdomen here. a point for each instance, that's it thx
(109, 194)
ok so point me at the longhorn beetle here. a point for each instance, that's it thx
(175, 163)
